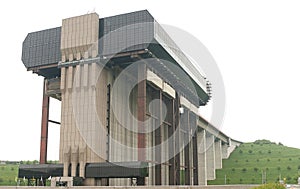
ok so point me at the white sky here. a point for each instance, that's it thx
(256, 45)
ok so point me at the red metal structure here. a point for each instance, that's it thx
(44, 127)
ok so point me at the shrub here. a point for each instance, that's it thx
(255, 169)
(233, 169)
(289, 168)
(241, 151)
(244, 169)
(250, 151)
(270, 186)
(269, 151)
(278, 168)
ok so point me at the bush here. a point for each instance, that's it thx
(278, 168)
(270, 186)
(250, 151)
(288, 168)
(255, 169)
(244, 169)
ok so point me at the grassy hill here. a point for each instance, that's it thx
(246, 165)
(262, 160)
(8, 174)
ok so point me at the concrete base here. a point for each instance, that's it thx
(55, 180)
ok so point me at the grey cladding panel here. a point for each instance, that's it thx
(42, 48)
(126, 32)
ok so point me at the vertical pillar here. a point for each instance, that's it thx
(177, 140)
(218, 154)
(141, 113)
(158, 152)
(224, 151)
(171, 141)
(210, 157)
(185, 127)
(44, 126)
(194, 128)
(202, 172)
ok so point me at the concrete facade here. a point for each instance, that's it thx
(130, 109)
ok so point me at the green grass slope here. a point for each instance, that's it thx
(251, 163)
(8, 174)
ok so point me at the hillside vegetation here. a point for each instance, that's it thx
(260, 162)
(9, 172)
(251, 163)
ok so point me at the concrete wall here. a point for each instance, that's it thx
(94, 131)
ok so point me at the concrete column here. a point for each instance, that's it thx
(171, 142)
(158, 138)
(224, 151)
(218, 154)
(202, 173)
(195, 159)
(210, 157)
(141, 113)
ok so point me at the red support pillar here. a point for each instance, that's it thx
(141, 113)
(44, 126)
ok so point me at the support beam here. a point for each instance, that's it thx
(194, 148)
(141, 113)
(44, 126)
(159, 125)
(210, 157)
(185, 126)
(202, 172)
(177, 140)
(224, 151)
(171, 142)
(218, 154)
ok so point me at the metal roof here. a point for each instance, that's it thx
(123, 33)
